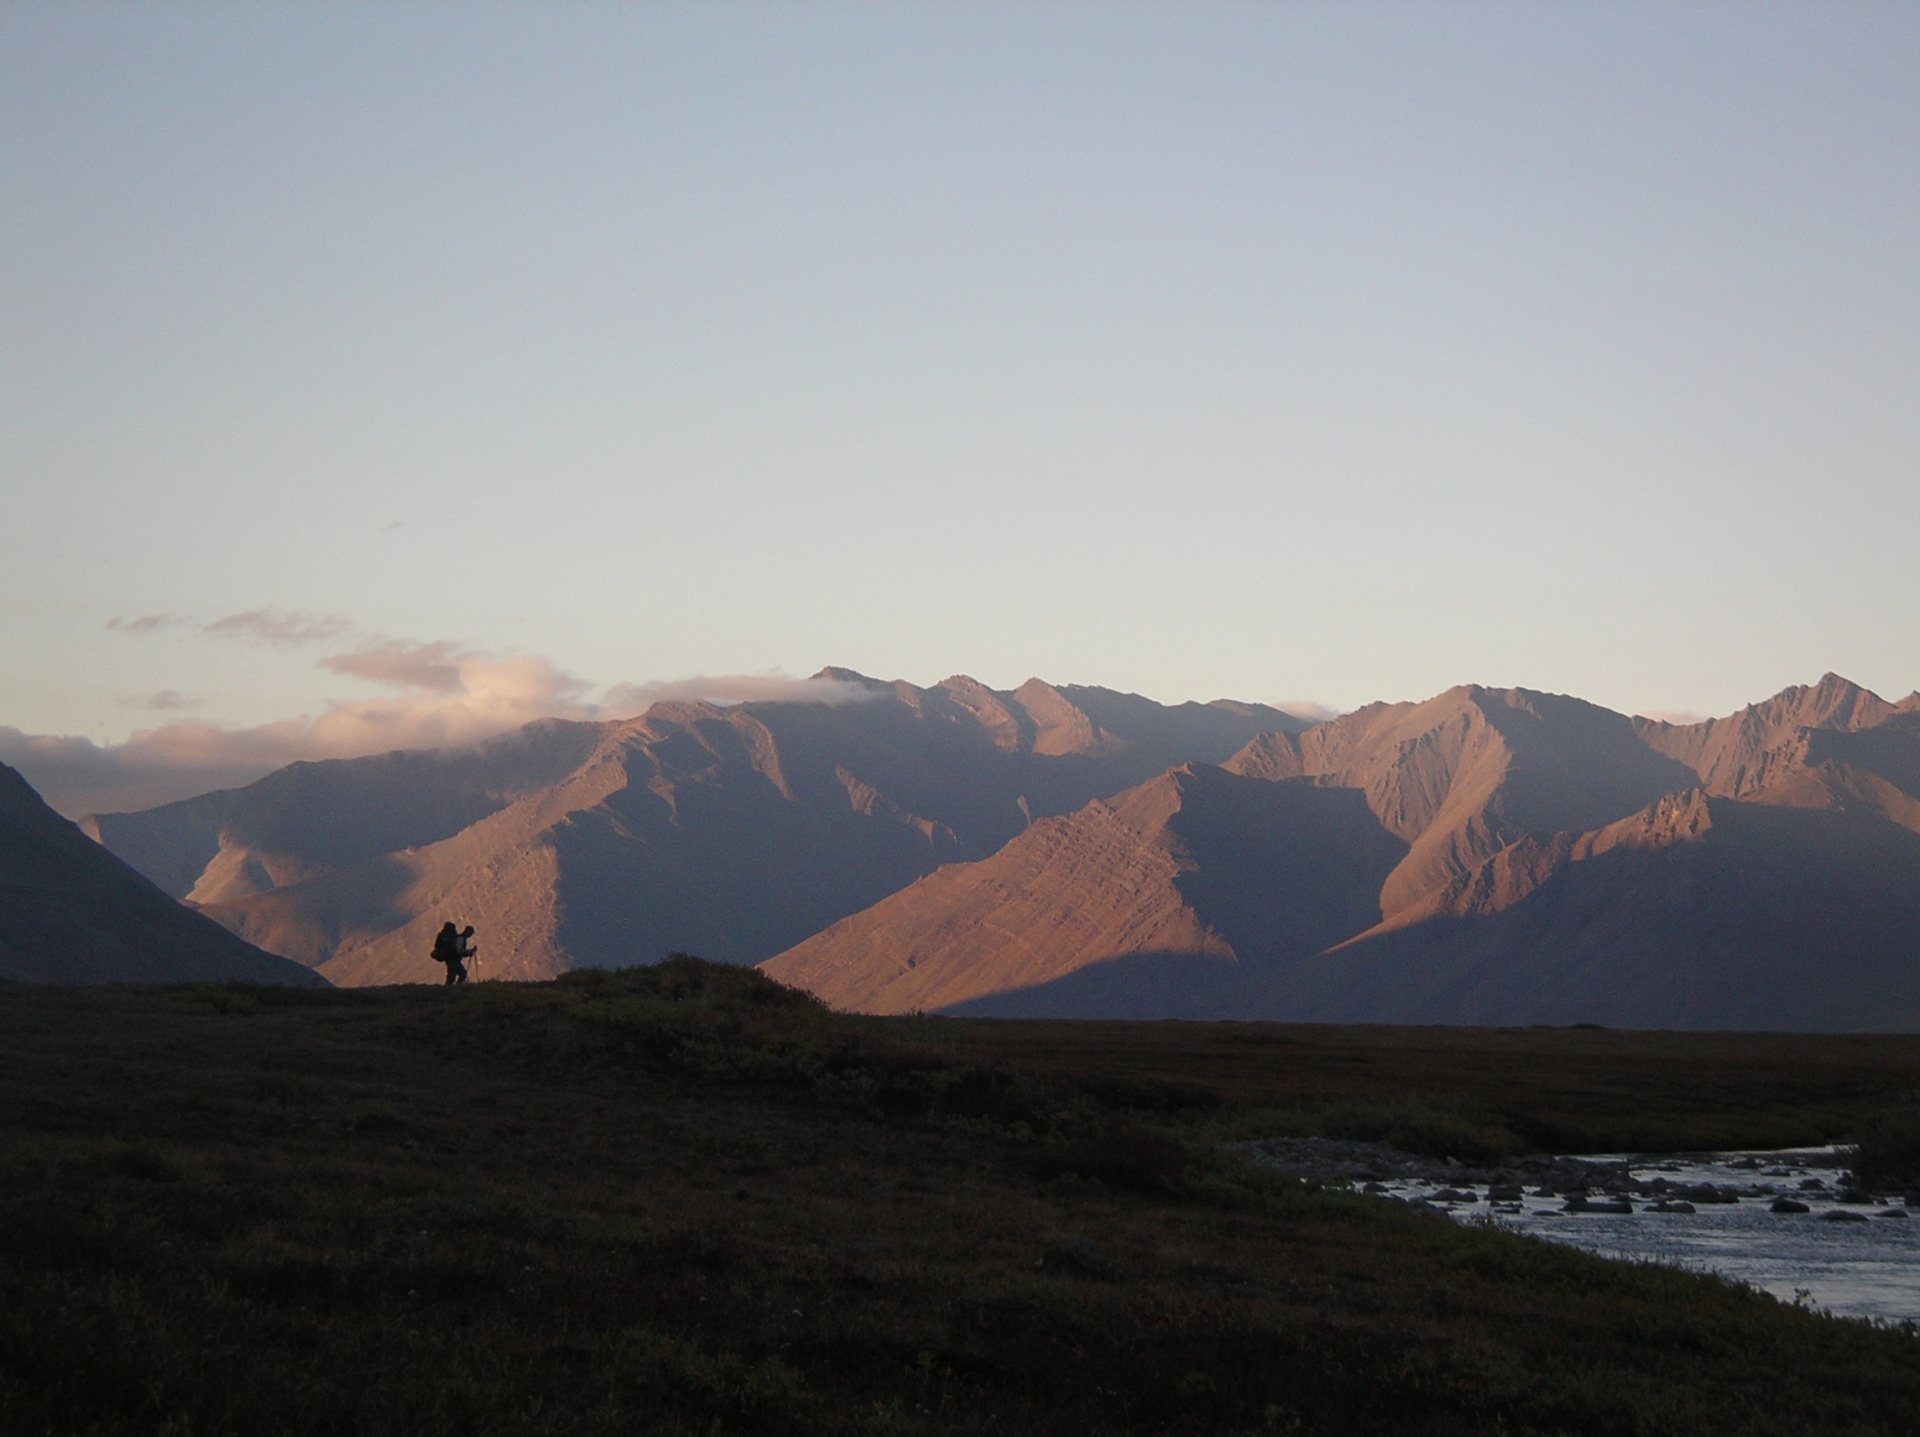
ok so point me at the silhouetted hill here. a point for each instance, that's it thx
(70, 912)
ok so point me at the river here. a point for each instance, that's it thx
(1856, 1259)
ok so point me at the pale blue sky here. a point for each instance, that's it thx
(1275, 351)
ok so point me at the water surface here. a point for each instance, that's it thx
(1867, 1268)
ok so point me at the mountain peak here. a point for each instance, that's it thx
(1833, 702)
(1272, 756)
(1733, 755)
(1003, 720)
(837, 674)
(1679, 817)
(1060, 725)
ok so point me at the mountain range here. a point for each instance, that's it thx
(1524, 857)
(729, 832)
(1485, 856)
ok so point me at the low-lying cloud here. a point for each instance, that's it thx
(449, 698)
(1309, 710)
(444, 696)
(76, 775)
(742, 689)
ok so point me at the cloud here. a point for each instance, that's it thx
(280, 627)
(1673, 716)
(146, 624)
(488, 697)
(168, 699)
(742, 689)
(403, 664)
(76, 775)
(1309, 710)
(492, 696)
(446, 696)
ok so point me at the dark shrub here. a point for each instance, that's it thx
(1416, 1126)
(1888, 1155)
(1122, 1157)
(1152, 1095)
(145, 1164)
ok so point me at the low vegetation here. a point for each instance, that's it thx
(683, 1199)
(1887, 1155)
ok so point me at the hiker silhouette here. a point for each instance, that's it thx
(450, 946)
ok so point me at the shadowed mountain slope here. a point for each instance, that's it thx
(733, 832)
(1698, 912)
(1199, 877)
(70, 912)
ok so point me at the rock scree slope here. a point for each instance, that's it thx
(1697, 912)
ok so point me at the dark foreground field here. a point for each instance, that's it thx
(681, 1199)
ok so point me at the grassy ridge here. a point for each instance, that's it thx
(682, 1199)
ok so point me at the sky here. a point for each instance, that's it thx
(382, 375)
